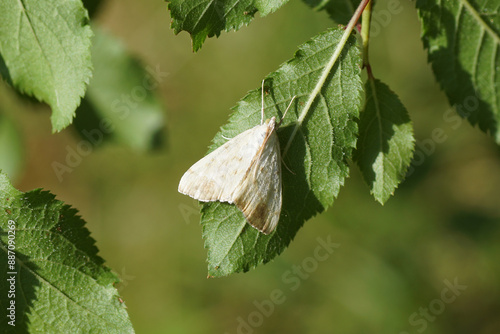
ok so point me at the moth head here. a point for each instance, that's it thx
(270, 122)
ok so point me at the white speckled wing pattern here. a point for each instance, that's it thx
(245, 171)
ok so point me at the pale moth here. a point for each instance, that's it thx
(245, 171)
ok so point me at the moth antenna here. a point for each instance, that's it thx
(293, 98)
(262, 103)
(284, 164)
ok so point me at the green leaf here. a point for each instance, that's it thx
(340, 11)
(11, 147)
(61, 284)
(463, 44)
(121, 102)
(315, 163)
(207, 18)
(46, 48)
(386, 143)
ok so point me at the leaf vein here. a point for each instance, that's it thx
(480, 20)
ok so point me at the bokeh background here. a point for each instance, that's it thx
(394, 265)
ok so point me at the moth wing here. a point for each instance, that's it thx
(216, 176)
(259, 194)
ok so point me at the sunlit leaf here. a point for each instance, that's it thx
(207, 18)
(61, 284)
(11, 147)
(46, 49)
(385, 144)
(316, 162)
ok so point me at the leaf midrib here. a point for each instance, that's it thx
(472, 11)
(25, 13)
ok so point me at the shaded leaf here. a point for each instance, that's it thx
(121, 102)
(462, 39)
(386, 143)
(93, 6)
(207, 18)
(317, 155)
(46, 48)
(340, 11)
(61, 284)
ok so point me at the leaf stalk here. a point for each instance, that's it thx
(326, 71)
(365, 37)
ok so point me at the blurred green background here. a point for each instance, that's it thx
(395, 264)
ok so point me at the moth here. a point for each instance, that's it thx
(245, 171)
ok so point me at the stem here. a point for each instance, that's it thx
(326, 71)
(365, 36)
